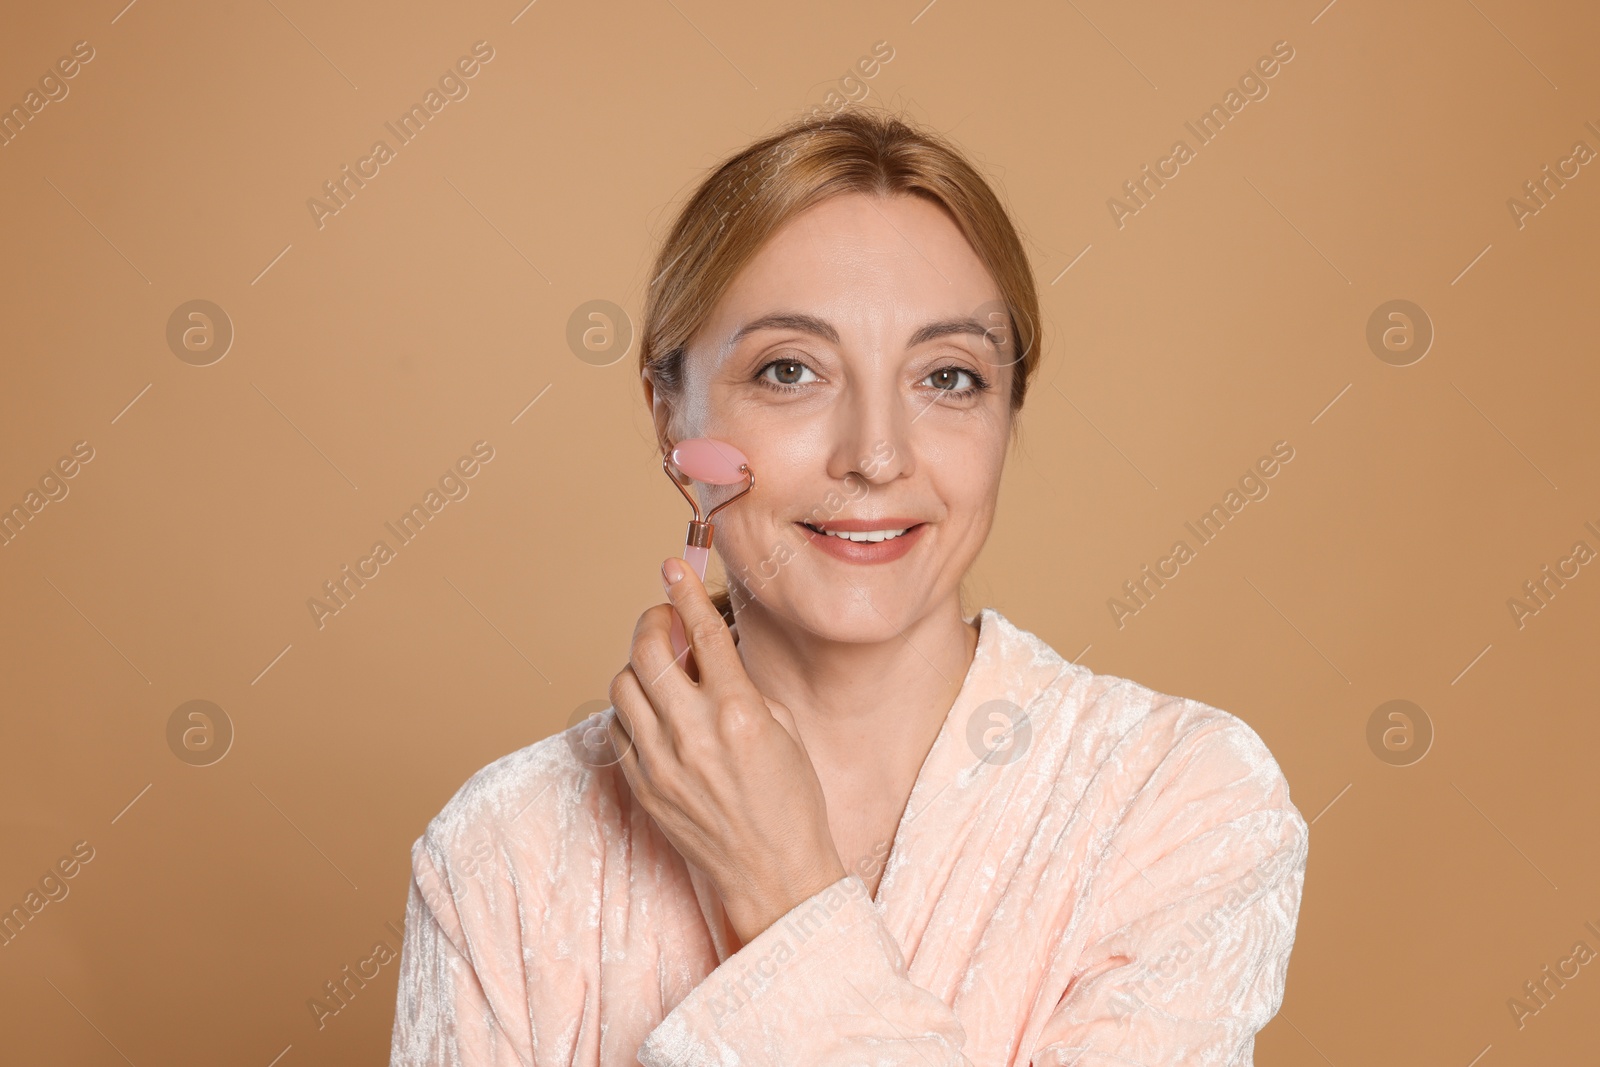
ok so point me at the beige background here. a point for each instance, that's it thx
(1228, 314)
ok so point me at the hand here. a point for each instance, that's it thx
(718, 766)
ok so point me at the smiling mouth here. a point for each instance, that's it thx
(864, 536)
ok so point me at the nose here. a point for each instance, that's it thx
(872, 438)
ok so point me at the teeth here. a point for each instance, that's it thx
(864, 535)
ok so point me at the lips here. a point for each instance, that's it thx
(885, 550)
(890, 522)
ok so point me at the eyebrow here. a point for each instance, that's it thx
(811, 324)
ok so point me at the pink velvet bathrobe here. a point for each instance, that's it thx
(1087, 872)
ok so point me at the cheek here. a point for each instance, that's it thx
(757, 552)
(760, 524)
(968, 478)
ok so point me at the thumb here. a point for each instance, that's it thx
(704, 628)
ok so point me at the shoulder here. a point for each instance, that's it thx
(1179, 799)
(1130, 742)
(1163, 740)
(521, 818)
(1188, 786)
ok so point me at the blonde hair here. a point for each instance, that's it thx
(753, 193)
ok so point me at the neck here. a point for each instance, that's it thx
(862, 705)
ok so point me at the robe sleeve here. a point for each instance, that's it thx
(1192, 921)
(824, 986)
(443, 1017)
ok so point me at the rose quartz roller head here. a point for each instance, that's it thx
(703, 459)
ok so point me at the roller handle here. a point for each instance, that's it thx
(696, 557)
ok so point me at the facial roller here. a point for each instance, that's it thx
(703, 459)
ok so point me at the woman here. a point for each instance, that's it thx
(856, 827)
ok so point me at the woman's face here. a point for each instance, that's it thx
(849, 362)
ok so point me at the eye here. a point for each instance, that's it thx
(788, 374)
(948, 380)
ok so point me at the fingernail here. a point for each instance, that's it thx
(672, 570)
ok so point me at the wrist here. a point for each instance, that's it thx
(750, 917)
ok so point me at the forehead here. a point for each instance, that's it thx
(876, 267)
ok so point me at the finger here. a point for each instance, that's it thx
(621, 749)
(714, 653)
(665, 680)
(636, 716)
(617, 734)
(591, 740)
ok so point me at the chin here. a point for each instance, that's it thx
(842, 615)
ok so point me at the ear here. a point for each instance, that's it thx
(660, 409)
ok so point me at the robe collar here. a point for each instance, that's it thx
(986, 732)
